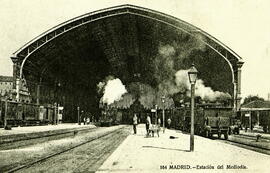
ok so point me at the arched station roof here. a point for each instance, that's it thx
(123, 41)
(79, 21)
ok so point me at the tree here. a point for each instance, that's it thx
(251, 98)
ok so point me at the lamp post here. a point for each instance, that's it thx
(192, 74)
(163, 112)
(156, 114)
(79, 119)
(57, 101)
(83, 118)
(55, 114)
(5, 115)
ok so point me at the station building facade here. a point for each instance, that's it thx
(7, 90)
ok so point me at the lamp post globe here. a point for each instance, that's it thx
(192, 74)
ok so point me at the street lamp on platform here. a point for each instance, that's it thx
(163, 112)
(58, 85)
(79, 118)
(156, 107)
(192, 74)
(55, 114)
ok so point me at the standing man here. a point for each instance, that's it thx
(148, 124)
(169, 121)
(84, 120)
(135, 122)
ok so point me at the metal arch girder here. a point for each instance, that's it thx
(55, 32)
(67, 26)
(31, 52)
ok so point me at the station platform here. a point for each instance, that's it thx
(29, 132)
(170, 153)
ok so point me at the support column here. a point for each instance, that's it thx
(18, 81)
(250, 122)
(5, 115)
(38, 91)
(16, 77)
(258, 118)
(234, 95)
(238, 88)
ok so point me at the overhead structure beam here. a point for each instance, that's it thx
(58, 30)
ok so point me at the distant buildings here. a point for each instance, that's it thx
(6, 86)
(256, 104)
(256, 113)
(6, 89)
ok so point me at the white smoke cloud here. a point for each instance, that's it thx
(100, 86)
(125, 102)
(181, 80)
(147, 96)
(113, 91)
(166, 50)
(206, 93)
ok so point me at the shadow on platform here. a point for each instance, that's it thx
(166, 148)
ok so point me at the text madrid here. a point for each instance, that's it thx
(203, 167)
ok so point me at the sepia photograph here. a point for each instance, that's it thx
(134, 86)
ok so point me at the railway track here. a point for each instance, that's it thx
(252, 138)
(29, 164)
(249, 142)
(40, 137)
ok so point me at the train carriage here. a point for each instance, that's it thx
(218, 121)
(25, 114)
(14, 113)
(208, 120)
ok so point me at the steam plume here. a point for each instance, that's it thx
(167, 79)
(206, 93)
(125, 102)
(113, 90)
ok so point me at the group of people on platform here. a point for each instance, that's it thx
(86, 120)
(149, 125)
